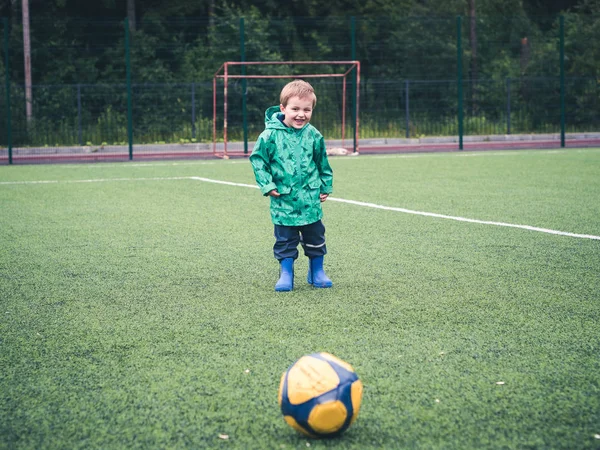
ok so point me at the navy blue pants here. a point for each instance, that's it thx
(311, 237)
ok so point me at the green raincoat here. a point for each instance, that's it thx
(295, 163)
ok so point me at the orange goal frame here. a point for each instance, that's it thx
(223, 73)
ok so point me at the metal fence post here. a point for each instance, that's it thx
(562, 81)
(7, 79)
(407, 106)
(459, 80)
(354, 75)
(129, 106)
(508, 105)
(244, 85)
(193, 110)
(79, 135)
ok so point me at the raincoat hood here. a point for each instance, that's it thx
(272, 118)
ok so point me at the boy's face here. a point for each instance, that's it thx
(297, 112)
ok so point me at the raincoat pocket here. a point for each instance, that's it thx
(315, 184)
(282, 205)
(313, 191)
(284, 190)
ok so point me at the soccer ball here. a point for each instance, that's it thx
(320, 395)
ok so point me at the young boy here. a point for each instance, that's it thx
(291, 167)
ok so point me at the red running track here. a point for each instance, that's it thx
(364, 149)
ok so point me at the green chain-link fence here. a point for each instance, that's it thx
(420, 77)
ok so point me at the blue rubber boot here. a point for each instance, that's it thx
(316, 275)
(286, 275)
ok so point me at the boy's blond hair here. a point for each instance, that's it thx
(297, 88)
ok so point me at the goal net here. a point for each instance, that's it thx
(240, 99)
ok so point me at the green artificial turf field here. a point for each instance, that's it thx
(137, 307)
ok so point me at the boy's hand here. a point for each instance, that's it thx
(274, 193)
(323, 197)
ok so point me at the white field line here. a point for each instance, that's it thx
(228, 183)
(127, 165)
(423, 213)
(94, 180)
(333, 199)
(464, 219)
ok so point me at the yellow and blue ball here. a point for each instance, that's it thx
(320, 395)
